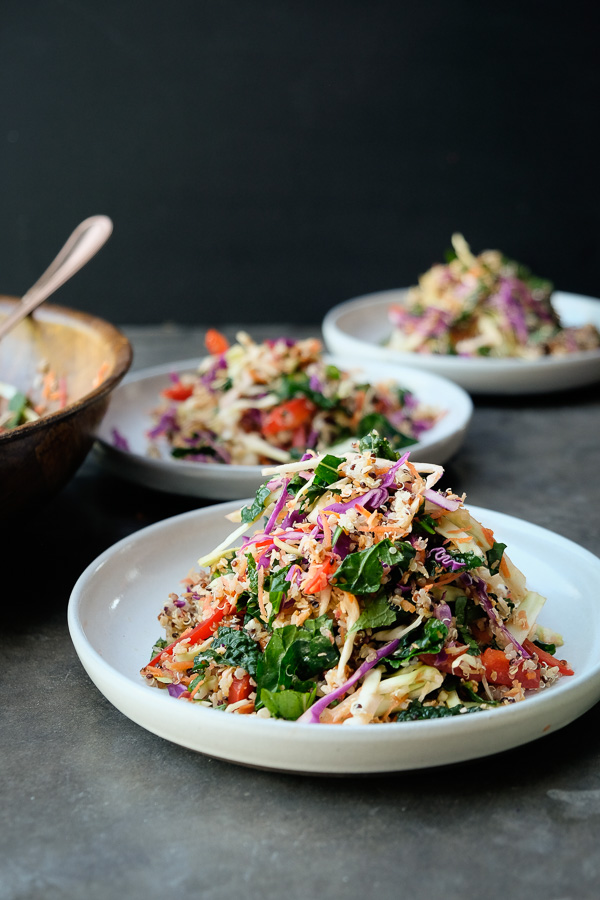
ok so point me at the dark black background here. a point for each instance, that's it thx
(266, 160)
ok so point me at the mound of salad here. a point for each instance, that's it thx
(484, 305)
(363, 595)
(255, 403)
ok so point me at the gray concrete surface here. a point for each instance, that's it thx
(92, 806)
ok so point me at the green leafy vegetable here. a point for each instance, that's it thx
(428, 638)
(378, 422)
(361, 572)
(277, 586)
(159, 645)
(299, 384)
(252, 512)
(494, 557)
(327, 470)
(326, 473)
(294, 655)
(274, 584)
(287, 704)
(379, 445)
(424, 523)
(17, 406)
(252, 573)
(450, 254)
(240, 650)
(469, 559)
(378, 613)
(181, 452)
(466, 611)
(416, 710)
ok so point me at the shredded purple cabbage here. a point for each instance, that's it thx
(294, 574)
(443, 612)
(176, 690)
(441, 501)
(119, 440)
(166, 423)
(283, 498)
(443, 557)
(488, 606)
(342, 545)
(313, 713)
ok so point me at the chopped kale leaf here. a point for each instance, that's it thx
(252, 512)
(361, 572)
(378, 422)
(427, 638)
(287, 704)
(240, 650)
(494, 557)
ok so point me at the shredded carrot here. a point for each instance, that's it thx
(380, 529)
(155, 670)
(326, 532)
(101, 374)
(48, 384)
(301, 618)
(488, 535)
(261, 599)
(318, 577)
(180, 666)
(443, 579)
(196, 689)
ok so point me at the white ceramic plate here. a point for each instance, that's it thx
(112, 621)
(132, 401)
(359, 327)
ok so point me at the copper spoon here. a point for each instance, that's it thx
(84, 243)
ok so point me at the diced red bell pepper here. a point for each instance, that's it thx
(288, 416)
(240, 689)
(215, 342)
(544, 657)
(200, 632)
(497, 667)
(178, 392)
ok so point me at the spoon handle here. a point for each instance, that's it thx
(84, 243)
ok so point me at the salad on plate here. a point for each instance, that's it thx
(352, 591)
(485, 305)
(255, 403)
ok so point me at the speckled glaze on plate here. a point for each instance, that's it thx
(361, 326)
(112, 621)
(130, 407)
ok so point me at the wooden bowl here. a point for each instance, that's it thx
(89, 357)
